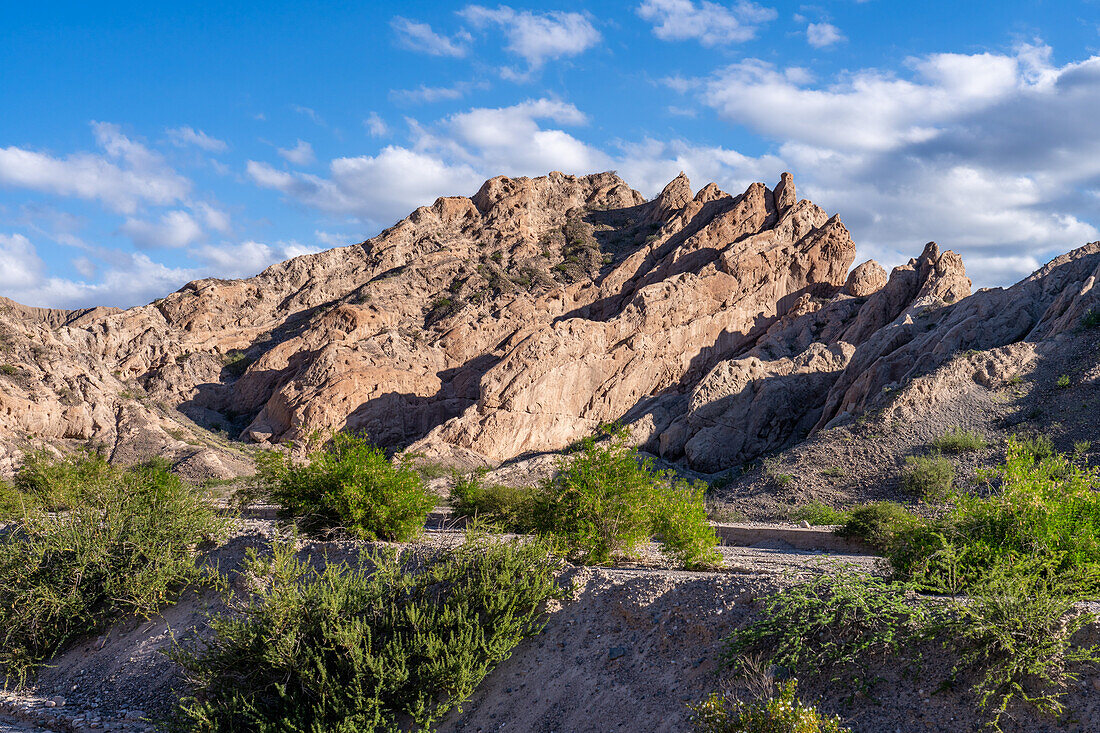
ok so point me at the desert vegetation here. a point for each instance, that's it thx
(387, 643)
(89, 544)
(601, 503)
(1007, 565)
(775, 711)
(348, 484)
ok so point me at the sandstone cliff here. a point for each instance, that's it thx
(719, 327)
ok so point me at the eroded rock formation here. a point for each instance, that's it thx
(718, 327)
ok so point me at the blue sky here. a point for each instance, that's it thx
(143, 145)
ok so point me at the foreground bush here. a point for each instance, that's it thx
(125, 544)
(45, 481)
(373, 647)
(604, 501)
(1010, 641)
(348, 484)
(779, 713)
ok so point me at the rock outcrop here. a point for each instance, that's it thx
(718, 327)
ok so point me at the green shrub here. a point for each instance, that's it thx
(509, 507)
(1046, 509)
(1091, 319)
(1014, 636)
(126, 544)
(1063, 381)
(375, 646)
(774, 474)
(56, 483)
(782, 712)
(878, 523)
(838, 624)
(8, 370)
(928, 477)
(958, 440)
(1039, 447)
(350, 484)
(236, 362)
(817, 512)
(603, 502)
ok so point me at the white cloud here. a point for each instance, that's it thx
(312, 114)
(214, 218)
(250, 257)
(537, 37)
(709, 23)
(183, 136)
(420, 37)
(452, 157)
(989, 154)
(125, 175)
(376, 126)
(19, 262)
(823, 35)
(174, 229)
(429, 95)
(301, 154)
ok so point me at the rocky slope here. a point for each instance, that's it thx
(718, 327)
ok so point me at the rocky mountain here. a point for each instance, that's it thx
(718, 327)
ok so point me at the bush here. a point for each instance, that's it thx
(1015, 635)
(928, 477)
(348, 484)
(1063, 381)
(509, 507)
(127, 544)
(1038, 447)
(778, 713)
(817, 512)
(1046, 509)
(878, 523)
(1091, 319)
(366, 647)
(54, 483)
(603, 502)
(837, 624)
(957, 440)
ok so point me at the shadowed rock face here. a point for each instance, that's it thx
(718, 327)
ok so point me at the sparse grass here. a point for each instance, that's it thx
(348, 484)
(819, 513)
(774, 474)
(604, 501)
(725, 513)
(9, 370)
(928, 477)
(833, 472)
(127, 543)
(958, 440)
(778, 712)
(385, 645)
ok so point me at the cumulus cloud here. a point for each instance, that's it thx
(301, 154)
(537, 37)
(174, 229)
(250, 257)
(420, 37)
(184, 136)
(989, 154)
(19, 262)
(708, 23)
(376, 126)
(454, 156)
(125, 174)
(823, 35)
